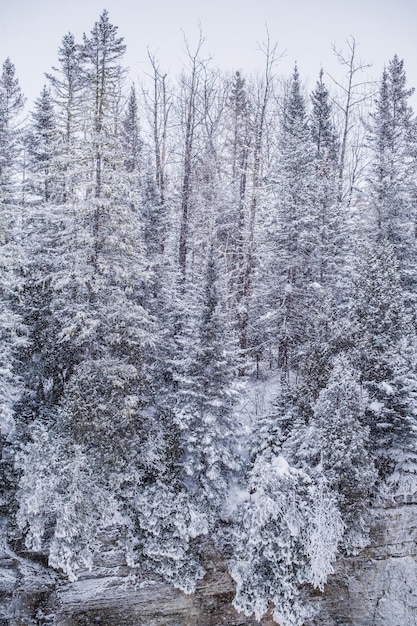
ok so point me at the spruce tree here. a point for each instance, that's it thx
(322, 127)
(289, 263)
(234, 225)
(391, 138)
(332, 227)
(270, 562)
(206, 398)
(101, 54)
(43, 150)
(384, 347)
(287, 537)
(339, 440)
(130, 134)
(67, 90)
(11, 106)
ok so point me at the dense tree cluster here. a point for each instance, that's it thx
(164, 252)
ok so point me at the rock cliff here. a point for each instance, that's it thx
(377, 587)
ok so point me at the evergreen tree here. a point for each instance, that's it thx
(297, 209)
(103, 74)
(289, 267)
(392, 187)
(67, 84)
(240, 145)
(332, 227)
(206, 398)
(340, 442)
(62, 506)
(130, 134)
(322, 127)
(288, 537)
(11, 105)
(270, 563)
(42, 147)
(384, 347)
(233, 231)
(167, 522)
(101, 54)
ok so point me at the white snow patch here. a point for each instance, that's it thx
(7, 423)
(281, 466)
(234, 500)
(146, 583)
(387, 388)
(267, 316)
(376, 407)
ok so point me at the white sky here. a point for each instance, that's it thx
(31, 32)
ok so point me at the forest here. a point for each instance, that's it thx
(208, 315)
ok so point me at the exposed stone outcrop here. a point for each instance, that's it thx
(113, 594)
(378, 587)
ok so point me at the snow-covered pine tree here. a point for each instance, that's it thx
(332, 228)
(206, 397)
(321, 124)
(338, 444)
(54, 235)
(11, 106)
(270, 562)
(131, 141)
(67, 86)
(45, 238)
(13, 334)
(234, 219)
(287, 536)
(392, 140)
(62, 504)
(289, 256)
(43, 151)
(101, 54)
(384, 345)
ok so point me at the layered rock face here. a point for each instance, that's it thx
(378, 587)
(113, 594)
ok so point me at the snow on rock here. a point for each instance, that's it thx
(115, 595)
(377, 587)
(397, 603)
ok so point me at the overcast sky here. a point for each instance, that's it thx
(31, 32)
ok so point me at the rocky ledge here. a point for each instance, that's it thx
(377, 587)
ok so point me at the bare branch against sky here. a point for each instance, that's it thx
(30, 33)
